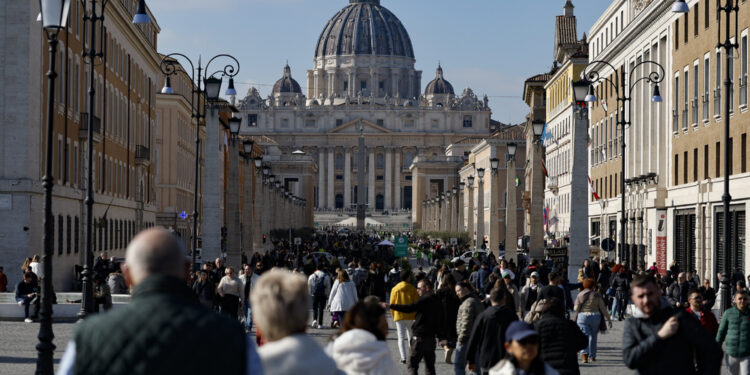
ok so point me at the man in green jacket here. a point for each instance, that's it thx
(734, 331)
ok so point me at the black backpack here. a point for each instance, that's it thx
(319, 285)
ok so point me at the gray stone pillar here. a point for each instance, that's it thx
(212, 190)
(322, 178)
(480, 212)
(493, 237)
(578, 248)
(234, 232)
(388, 178)
(397, 181)
(470, 217)
(347, 179)
(511, 211)
(331, 201)
(247, 207)
(536, 227)
(371, 180)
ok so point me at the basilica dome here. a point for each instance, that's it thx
(364, 27)
(287, 84)
(439, 85)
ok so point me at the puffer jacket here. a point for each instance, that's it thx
(468, 311)
(560, 340)
(734, 332)
(403, 294)
(451, 303)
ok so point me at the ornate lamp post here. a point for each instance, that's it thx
(199, 94)
(510, 202)
(624, 99)
(54, 17)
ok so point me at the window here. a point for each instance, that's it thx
(706, 84)
(339, 122)
(685, 96)
(685, 167)
(363, 85)
(685, 29)
(730, 94)
(695, 164)
(76, 239)
(705, 162)
(68, 229)
(718, 159)
(381, 85)
(285, 123)
(717, 88)
(380, 122)
(435, 124)
(379, 178)
(694, 102)
(743, 153)
(696, 12)
(346, 85)
(59, 235)
(339, 177)
(468, 121)
(676, 169)
(408, 123)
(743, 71)
(730, 164)
(380, 161)
(677, 34)
(252, 120)
(705, 13)
(339, 161)
(310, 123)
(675, 110)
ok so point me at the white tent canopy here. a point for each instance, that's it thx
(352, 222)
(386, 243)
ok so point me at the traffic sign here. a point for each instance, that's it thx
(297, 241)
(608, 244)
(454, 241)
(183, 215)
(401, 247)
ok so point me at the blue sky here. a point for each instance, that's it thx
(491, 46)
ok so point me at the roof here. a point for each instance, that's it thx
(287, 84)
(364, 27)
(439, 85)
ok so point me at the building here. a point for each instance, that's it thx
(628, 35)
(695, 173)
(364, 75)
(124, 133)
(174, 155)
(559, 141)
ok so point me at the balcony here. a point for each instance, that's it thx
(695, 112)
(552, 183)
(142, 155)
(83, 130)
(685, 118)
(705, 106)
(717, 102)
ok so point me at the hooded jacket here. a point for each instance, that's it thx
(296, 354)
(560, 340)
(359, 352)
(488, 336)
(644, 351)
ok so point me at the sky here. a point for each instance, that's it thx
(491, 46)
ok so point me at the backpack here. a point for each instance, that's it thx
(319, 286)
(535, 313)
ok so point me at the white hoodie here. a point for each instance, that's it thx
(358, 352)
(296, 355)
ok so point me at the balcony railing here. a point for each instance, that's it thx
(83, 129)
(743, 91)
(675, 121)
(685, 118)
(717, 102)
(705, 107)
(695, 111)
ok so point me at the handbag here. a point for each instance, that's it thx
(602, 324)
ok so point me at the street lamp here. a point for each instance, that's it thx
(169, 66)
(471, 182)
(624, 98)
(234, 127)
(258, 163)
(462, 185)
(494, 164)
(512, 146)
(54, 17)
(480, 173)
(140, 15)
(247, 146)
(538, 128)
(729, 47)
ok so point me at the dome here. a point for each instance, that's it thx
(287, 84)
(364, 28)
(439, 85)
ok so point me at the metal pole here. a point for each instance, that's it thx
(726, 197)
(45, 347)
(87, 292)
(197, 109)
(623, 220)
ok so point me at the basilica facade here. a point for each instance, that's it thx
(363, 81)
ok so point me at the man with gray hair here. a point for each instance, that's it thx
(164, 329)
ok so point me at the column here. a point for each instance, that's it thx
(394, 83)
(536, 228)
(470, 217)
(454, 211)
(388, 178)
(234, 235)
(347, 179)
(331, 201)
(353, 87)
(460, 199)
(371, 180)
(511, 210)
(258, 207)
(211, 214)
(266, 212)
(321, 178)
(448, 211)
(374, 83)
(579, 193)
(480, 212)
(493, 238)
(397, 181)
(247, 207)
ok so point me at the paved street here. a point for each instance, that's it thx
(18, 353)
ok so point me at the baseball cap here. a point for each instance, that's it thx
(535, 274)
(519, 330)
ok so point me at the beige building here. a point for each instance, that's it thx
(695, 175)
(124, 132)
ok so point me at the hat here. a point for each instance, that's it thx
(535, 274)
(519, 330)
(507, 274)
(459, 262)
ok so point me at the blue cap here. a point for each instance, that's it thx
(519, 330)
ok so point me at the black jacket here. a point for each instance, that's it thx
(450, 302)
(690, 351)
(429, 321)
(678, 293)
(560, 340)
(486, 343)
(620, 282)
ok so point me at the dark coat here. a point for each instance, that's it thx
(560, 340)
(486, 343)
(450, 302)
(690, 351)
(429, 321)
(678, 293)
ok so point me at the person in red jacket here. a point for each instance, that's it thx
(707, 318)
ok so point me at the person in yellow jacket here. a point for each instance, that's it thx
(403, 294)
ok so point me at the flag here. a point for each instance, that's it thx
(546, 216)
(589, 141)
(553, 221)
(593, 191)
(604, 105)
(544, 169)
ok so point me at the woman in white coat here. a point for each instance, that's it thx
(343, 296)
(361, 349)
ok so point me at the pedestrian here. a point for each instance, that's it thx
(375, 282)
(702, 313)
(101, 266)
(248, 278)
(621, 286)
(27, 294)
(318, 286)
(678, 291)
(102, 294)
(36, 267)
(661, 339)
(217, 271)
(230, 289)
(281, 305)
(529, 293)
(586, 271)
(343, 296)
(163, 329)
(25, 267)
(361, 348)
(459, 272)
(468, 312)
(512, 289)
(485, 346)
(428, 325)
(205, 290)
(734, 333)
(709, 294)
(403, 294)
(591, 310)
(3, 281)
(522, 346)
(560, 338)
(450, 302)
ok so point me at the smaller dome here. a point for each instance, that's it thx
(439, 85)
(287, 84)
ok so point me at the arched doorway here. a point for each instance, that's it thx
(379, 202)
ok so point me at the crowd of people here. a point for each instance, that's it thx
(484, 315)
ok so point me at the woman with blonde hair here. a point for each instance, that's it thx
(342, 297)
(36, 267)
